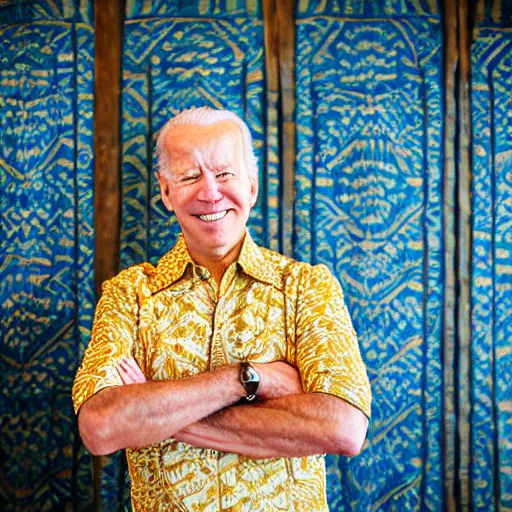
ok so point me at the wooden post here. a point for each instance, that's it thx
(286, 32)
(109, 16)
(457, 237)
(464, 252)
(109, 29)
(279, 26)
(449, 190)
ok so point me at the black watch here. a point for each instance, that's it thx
(250, 380)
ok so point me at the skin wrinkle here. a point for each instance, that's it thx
(196, 147)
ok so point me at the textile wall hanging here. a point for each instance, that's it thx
(368, 205)
(488, 459)
(46, 247)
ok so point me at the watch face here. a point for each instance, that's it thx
(250, 375)
(250, 379)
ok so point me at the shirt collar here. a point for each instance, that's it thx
(171, 266)
(251, 259)
(254, 263)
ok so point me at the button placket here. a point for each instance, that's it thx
(217, 350)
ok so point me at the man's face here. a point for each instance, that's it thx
(208, 187)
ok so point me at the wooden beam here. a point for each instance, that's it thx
(286, 32)
(109, 18)
(271, 30)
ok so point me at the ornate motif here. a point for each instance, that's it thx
(368, 205)
(491, 418)
(47, 245)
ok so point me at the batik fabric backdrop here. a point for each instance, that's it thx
(489, 462)
(368, 205)
(368, 183)
(46, 248)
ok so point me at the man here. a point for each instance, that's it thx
(227, 370)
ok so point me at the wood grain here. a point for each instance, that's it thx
(109, 22)
(286, 32)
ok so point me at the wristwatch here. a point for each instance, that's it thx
(250, 380)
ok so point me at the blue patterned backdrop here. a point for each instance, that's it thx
(490, 466)
(369, 185)
(46, 248)
(368, 204)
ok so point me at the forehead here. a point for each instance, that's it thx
(223, 138)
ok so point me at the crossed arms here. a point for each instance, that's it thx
(201, 411)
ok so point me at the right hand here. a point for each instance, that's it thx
(130, 372)
(277, 379)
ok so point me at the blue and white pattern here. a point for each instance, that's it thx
(490, 421)
(46, 247)
(368, 205)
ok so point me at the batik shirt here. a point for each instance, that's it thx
(176, 322)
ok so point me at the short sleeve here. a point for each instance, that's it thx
(328, 355)
(114, 332)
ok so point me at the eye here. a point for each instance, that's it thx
(224, 174)
(190, 178)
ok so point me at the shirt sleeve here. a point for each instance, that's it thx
(114, 332)
(328, 355)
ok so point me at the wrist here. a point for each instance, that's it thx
(227, 379)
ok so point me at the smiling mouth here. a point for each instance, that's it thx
(213, 216)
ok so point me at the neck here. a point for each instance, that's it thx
(217, 263)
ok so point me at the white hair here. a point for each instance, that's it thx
(205, 116)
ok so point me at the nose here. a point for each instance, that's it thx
(210, 189)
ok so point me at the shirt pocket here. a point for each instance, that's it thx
(255, 328)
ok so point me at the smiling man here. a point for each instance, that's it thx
(227, 370)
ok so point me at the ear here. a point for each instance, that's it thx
(164, 191)
(253, 192)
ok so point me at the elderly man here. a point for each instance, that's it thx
(227, 370)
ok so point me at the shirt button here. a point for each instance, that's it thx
(200, 273)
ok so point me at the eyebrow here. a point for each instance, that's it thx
(220, 166)
(191, 170)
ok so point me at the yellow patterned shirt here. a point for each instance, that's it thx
(177, 322)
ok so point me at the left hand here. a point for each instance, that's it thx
(278, 379)
(130, 372)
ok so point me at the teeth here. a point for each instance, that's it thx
(213, 216)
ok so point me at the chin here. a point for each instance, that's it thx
(223, 244)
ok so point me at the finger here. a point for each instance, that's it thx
(125, 376)
(132, 364)
(136, 372)
(131, 371)
(128, 376)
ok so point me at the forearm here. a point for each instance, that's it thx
(291, 426)
(137, 415)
